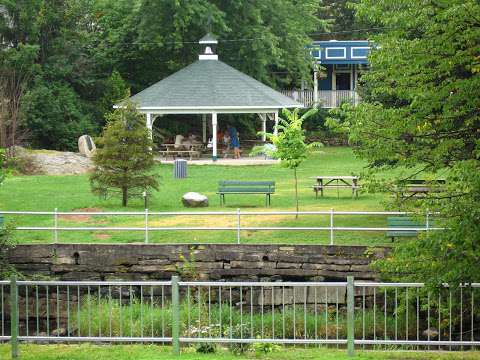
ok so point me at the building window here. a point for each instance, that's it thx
(342, 67)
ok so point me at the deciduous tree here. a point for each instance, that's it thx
(421, 115)
(289, 144)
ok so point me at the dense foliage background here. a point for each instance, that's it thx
(72, 59)
(421, 115)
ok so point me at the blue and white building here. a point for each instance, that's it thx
(340, 66)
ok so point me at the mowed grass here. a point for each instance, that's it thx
(67, 193)
(153, 352)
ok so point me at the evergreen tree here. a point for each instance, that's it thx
(115, 90)
(124, 160)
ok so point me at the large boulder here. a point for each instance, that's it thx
(49, 162)
(193, 199)
(86, 146)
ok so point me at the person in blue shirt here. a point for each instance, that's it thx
(234, 141)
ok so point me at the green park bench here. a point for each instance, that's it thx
(1, 222)
(403, 222)
(246, 187)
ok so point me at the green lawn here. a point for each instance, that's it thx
(67, 193)
(152, 352)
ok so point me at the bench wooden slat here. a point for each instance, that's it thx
(246, 192)
(256, 189)
(404, 233)
(245, 183)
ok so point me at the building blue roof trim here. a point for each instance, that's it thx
(341, 52)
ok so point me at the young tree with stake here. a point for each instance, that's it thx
(289, 143)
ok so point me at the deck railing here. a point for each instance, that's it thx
(345, 313)
(237, 226)
(326, 98)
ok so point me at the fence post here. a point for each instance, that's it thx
(14, 316)
(331, 226)
(175, 316)
(350, 316)
(427, 220)
(146, 226)
(238, 226)
(55, 225)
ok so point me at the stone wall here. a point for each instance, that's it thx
(205, 262)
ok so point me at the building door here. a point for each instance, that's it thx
(343, 81)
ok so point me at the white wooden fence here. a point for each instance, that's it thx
(326, 98)
(237, 228)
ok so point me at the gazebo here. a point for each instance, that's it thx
(211, 87)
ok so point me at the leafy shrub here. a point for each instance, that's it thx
(206, 348)
(265, 348)
(6, 244)
(55, 117)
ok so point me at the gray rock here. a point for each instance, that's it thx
(193, 199)
(57, 163)
(86, 146)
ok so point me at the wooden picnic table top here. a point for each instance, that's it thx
(339, 177)
(183, 146)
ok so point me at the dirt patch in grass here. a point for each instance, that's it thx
(215, 221)
(102, 236)
(82, 217)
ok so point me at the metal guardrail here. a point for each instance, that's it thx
(240, 313)
(238, 228)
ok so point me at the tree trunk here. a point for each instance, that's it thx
(296, 191)
(124, 196)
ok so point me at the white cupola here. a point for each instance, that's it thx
(208, 44)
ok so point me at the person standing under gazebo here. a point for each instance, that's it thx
(234, 141)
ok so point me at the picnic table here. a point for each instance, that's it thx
(177, 150)
(336, 182)
(414, 188)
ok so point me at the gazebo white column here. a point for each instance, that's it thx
(315, 86)
(204, 128)
(214, 136)
(275, 127)
(263, 118)
(150, 125)
(264, 126)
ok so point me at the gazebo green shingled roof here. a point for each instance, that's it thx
(211, 84)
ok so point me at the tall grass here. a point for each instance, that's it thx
(108, 317)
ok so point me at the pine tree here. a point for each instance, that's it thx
(124, 159)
